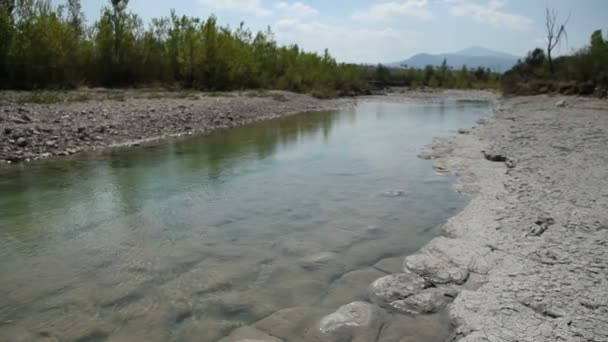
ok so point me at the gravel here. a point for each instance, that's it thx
(534, 237)
(35, 131)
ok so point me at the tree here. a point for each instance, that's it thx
(6, 36)
(555, 34)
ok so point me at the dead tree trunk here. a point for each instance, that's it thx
(555, 34)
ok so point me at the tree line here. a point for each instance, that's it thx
(443, 76)
(584, 72)
(44, 46)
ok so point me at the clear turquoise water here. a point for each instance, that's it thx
(220, 230)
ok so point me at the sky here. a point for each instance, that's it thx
(375, 31)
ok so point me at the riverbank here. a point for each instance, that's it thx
(100, 120)
(39, 126)
(527, 258)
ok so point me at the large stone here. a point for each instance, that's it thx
(428, 301)
(22, 142)
(437, 270)
(356, 314)
(315, 261)
(291, 323)
(386, 290)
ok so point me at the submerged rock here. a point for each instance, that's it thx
(249, 334)
(356, 314)
(314, 261)
(410, 293)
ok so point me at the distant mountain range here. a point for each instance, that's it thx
(472, 57)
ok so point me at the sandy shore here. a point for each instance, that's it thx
(530, 250)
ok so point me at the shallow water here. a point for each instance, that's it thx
(187, 240)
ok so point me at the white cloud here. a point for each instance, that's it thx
(394, 10)
(349, 44)
(296, 9)
(489, 13)
(250, 6)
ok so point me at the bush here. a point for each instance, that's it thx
(584, 73)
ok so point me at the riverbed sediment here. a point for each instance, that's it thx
(528, 256)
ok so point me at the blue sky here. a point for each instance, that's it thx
(391, 30)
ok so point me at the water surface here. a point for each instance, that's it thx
(190, 239)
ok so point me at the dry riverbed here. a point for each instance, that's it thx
(531, 247)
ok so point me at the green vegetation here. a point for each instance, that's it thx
(583, 73)
(433, 77)
(47, 47)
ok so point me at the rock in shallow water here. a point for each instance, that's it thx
(410, 293)
(396, 287)
(356, 314)
(427, 301)
(314, 261)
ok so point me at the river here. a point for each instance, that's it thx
(191, 238)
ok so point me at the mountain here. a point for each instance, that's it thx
(472, 57)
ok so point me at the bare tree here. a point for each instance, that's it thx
(555, 33)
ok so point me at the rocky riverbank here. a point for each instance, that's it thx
(527, 258)
(96, 120)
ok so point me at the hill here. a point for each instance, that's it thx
(472, 57)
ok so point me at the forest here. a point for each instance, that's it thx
(443, 76)
(54, 47)
(47, 47)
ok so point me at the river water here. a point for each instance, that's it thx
(188, 240)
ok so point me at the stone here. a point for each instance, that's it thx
(390, 265)
(26, 117)
(22, 142)
(290, 323)
(428, 301)
(51, 143)
(437, 270)
(394, 287)
(356, 314)
(561, 103)
(314, 261)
